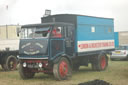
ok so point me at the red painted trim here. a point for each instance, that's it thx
(44, 62)
(96, 45)
(63, 69)
(103, 62)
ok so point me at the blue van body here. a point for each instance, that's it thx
(89, 30)
(98, 33)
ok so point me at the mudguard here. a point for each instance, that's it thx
(56, 60)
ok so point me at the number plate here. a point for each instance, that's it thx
(32, 66)
(118, 52)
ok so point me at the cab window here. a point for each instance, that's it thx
(57, 32)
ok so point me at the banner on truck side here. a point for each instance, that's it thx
(95, 45)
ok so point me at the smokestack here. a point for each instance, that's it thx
(47, 13)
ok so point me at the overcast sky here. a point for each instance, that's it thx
(30, 11)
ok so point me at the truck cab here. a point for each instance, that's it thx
(64, 42)
(41, 46)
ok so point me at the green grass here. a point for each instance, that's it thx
(116, 73)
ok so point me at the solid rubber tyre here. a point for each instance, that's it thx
(9, 63)
(25, 72)
(62, 70)
(100, 62)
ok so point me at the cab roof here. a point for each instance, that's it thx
(45, 24)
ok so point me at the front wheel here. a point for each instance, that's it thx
(62, 69)
(25, 72)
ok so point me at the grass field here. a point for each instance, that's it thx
(116, 74)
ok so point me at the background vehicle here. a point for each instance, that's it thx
(121, 38)
(121, 53)
(9, 46)
(64, 42)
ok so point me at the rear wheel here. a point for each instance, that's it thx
(25, 72)
(9, 63)
(62, 69)
(103, 62)
(100, 62)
